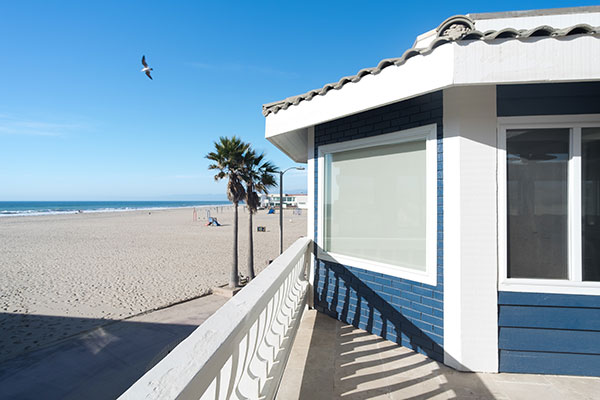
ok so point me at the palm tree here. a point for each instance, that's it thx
(258, 176)
(228, 160)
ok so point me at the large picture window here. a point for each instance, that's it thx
(549, 176)
(378, 203)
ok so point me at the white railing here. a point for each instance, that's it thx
(239, 352)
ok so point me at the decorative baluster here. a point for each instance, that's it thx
(246, 348)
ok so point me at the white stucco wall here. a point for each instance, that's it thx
(470, 229)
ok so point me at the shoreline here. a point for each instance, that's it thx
(107, 210)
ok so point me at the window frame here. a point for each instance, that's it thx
(428, 133)
(574, 284)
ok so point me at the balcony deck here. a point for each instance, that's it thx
(332, 360)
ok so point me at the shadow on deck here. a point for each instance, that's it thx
(333, 360)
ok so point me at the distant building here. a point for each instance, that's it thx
(289, 201)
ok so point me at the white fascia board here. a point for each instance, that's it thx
(420, 74)
(527, 61)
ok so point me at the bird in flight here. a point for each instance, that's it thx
(146, 69)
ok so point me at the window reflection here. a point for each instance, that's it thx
(537, 203)
(590, 197)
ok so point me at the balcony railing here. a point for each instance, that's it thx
(239, 352)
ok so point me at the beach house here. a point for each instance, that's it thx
(289, 200)
(454, 192)
(453, 208)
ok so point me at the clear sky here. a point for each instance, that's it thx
(79, 121)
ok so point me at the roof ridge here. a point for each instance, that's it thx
(454, 29)
(534, 13)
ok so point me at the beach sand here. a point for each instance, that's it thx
(67, 274)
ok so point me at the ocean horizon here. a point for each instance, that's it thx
(20, 208)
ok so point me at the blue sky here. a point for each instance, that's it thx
(79, 121)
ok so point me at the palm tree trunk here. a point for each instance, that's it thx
(233, 278)
(250, 246)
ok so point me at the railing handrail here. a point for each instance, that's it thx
(178, 374)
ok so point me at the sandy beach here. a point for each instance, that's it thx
(66, 274)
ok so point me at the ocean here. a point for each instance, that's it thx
(14, 208)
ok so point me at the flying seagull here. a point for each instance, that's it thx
(146, 69)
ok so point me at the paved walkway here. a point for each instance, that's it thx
(103, 363)
(331, 360)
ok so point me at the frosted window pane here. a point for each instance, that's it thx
(590, 196)
(537, 203)
(375, 204)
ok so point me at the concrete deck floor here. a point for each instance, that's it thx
(331, 360)
(103, 363)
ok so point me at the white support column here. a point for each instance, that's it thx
(310, 223)
(470, 229)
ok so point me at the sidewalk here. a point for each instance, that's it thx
(103, 363)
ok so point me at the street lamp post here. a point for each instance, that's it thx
(281, 205)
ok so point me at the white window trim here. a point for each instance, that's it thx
(574, 285)
(427, 133)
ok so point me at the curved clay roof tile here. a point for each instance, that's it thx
(507, 33)
(540, 31)
(436, 43)
(474, 35)
(578, 29)
(388, 62)
(408, 54)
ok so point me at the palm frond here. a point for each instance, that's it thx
(257, 174)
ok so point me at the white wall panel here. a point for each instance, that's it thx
(470, 229)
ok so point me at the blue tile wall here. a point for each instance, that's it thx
(406, 312)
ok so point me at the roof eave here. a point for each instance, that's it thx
(456, 64)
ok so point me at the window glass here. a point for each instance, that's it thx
(374, 204)
(537, 203)
(590, 197)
